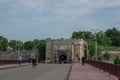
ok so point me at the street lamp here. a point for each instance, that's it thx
(100, 36)
(95, 47)
(102, 51)
(17, 44)
(95, 37)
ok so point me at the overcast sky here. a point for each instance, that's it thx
(39, 19)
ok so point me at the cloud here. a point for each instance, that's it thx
(38, 5)
(59, 16)
(63, 8)
(61, 12)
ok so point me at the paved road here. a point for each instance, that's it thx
(40, 72)
(6, 66)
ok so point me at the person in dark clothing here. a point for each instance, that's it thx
(34, 61)
(83, 61)
(78, 59)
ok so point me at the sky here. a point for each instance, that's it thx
(40, 19)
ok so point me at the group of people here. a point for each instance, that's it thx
(33, 60)
(47, 61)
(82, 60)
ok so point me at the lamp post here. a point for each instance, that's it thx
(87, 53)
(95, 47)
(95, 38)
(102, 51)
(18, 49)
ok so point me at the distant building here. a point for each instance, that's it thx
(69, 50)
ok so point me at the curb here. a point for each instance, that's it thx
(69, 72)
(13, 66)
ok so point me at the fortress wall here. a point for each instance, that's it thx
(12, 55)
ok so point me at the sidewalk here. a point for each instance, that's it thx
(6, 66)
(88, 72)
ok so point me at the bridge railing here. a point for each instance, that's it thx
(2, 62)
(107, 67)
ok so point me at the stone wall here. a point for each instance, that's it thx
(113, 54)
(12, 55)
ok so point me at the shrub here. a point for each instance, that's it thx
(117, 60)
(106, 56)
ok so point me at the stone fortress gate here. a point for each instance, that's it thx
(71, 50)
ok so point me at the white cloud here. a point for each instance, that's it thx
(22, 6)
(62, 4)
(64, 12)
(62, 7)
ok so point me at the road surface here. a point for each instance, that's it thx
(40, 72)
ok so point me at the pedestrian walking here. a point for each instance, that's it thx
(83, 61)
(34, 61)
(19, 59)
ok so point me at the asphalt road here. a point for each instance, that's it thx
(40, 72)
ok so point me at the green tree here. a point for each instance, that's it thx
(117, 60)
(36, 42)
(91, 48)
(1, 47)
(20, 45)
(76, 35)
(42, 49)
(106, 56)
(13, 43)
(16, 44)
(29, 45)
(3, 43)
(103, 40)
(82, 35)
(114, 35)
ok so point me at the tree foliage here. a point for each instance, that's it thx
(42, 49)
(91, 48)
(29, 45)
(3, 43)
(82, 35)
(91, 38)
(117, 60)
(103, 39)
(114, 35)
(106, 56)
(16, 45)
(40, 45)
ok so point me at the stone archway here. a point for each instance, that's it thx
(62, 58)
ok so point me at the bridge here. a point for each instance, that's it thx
(92, 70)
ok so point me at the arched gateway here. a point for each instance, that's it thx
(62, 58)
(65, 50)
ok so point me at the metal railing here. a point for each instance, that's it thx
(112, 69)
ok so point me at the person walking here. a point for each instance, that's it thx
(34, 61)
(19, 59)
(83, 61)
